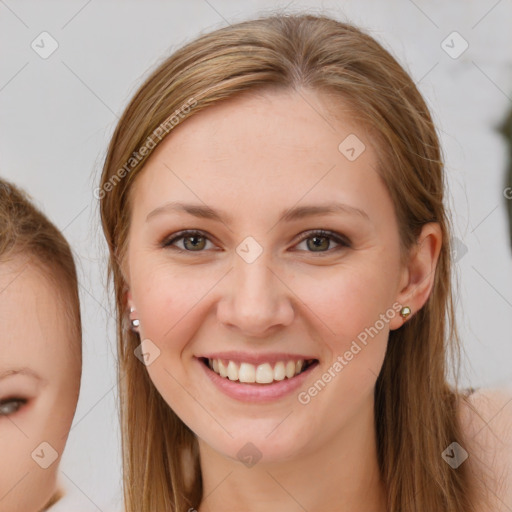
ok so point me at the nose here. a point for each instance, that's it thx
(256, 299)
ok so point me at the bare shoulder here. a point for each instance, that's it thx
(486, 419)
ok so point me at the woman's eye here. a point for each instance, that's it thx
(321, 239)
(196, 241)
(193, 241)
(8, 407)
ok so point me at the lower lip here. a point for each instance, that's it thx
(254, 392)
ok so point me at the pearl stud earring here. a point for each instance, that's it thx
(405, 312)
(135, 322)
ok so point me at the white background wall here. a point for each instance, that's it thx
(58, 113)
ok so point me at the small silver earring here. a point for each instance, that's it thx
(134, 321)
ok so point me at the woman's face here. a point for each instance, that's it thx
(258, 285)
(39, 384)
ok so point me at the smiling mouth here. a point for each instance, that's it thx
(265, 373)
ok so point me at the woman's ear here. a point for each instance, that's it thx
(129, 300)
(132, 312)
(417, 277)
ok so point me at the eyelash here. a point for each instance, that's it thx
(23, 402)
(343, 242)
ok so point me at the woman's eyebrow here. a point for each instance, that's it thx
(21, 371)
(288, 215)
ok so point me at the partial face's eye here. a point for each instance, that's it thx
(10, 406)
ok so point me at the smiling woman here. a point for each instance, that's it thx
(40, 353)
(287, 240)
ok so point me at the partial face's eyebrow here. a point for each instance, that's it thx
(21, 371)
(289, 215)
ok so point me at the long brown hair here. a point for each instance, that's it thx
(415, 407)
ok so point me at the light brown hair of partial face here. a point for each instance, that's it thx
(29, 238)
(415, 407)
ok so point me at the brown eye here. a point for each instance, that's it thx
(8, 407)
(193, 241)
(319, 241)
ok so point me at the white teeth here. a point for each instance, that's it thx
(223, 372)
(290, 369)
(262, 374)
(232, 371)
(279, 371)
(246, 373)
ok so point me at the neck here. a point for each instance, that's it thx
(342, 474)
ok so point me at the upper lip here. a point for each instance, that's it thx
(246, 357)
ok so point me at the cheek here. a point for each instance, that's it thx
(345, 300)
(166, 299)
(350, 308)
(342, 301)
(24, 482)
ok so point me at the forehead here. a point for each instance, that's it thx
(34, 326)
(266, 148)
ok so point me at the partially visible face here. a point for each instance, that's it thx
(259, 285)
(39, 385)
